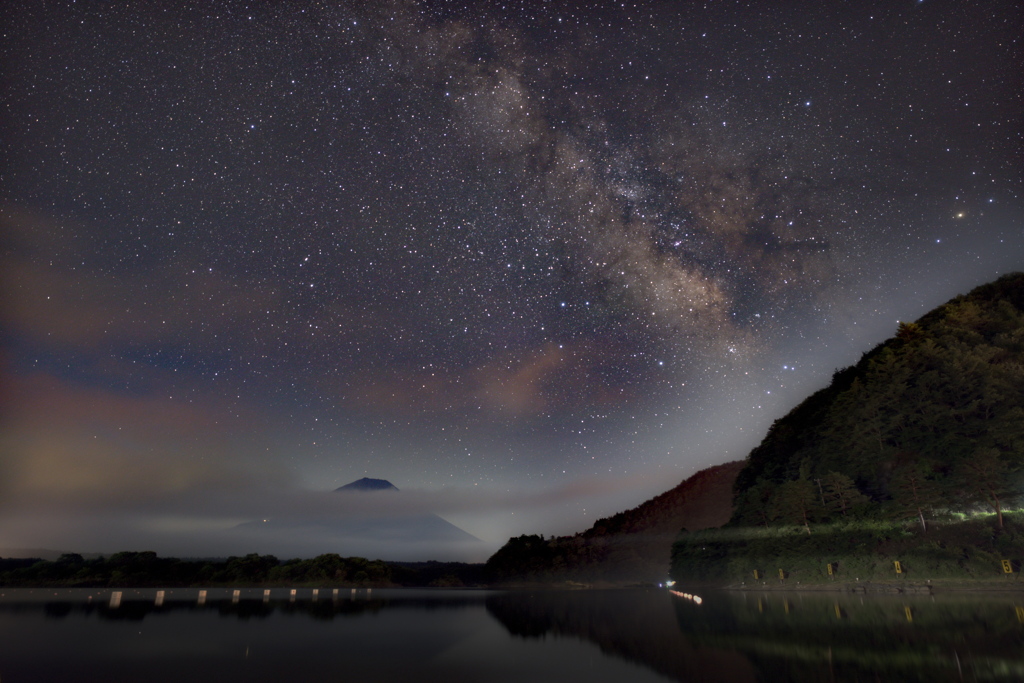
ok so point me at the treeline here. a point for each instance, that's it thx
(533, 557)
(955, 551)
(931, 421)
(596, 555)
(146, 569)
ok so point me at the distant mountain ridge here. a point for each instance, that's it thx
(41, 553)
(375, 532)
(368, 484)
(631, 547)
(693, 504)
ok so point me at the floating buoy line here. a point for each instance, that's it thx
(695, 599)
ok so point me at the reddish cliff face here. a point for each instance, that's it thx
(638, 542)
(703, 501)
(631, 547)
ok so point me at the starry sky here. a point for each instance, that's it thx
(529, 262)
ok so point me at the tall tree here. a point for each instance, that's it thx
(757, 503)
(985, 478)
(797, 501)
(841, 494)
(915, 491)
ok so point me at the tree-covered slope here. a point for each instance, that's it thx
(903, 467)
(630, 547)
(932, 419)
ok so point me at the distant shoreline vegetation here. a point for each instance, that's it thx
(146, 569)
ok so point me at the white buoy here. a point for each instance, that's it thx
(202, 598)
(159, 601)
(266, 595)
(115, 599)
(235, 595)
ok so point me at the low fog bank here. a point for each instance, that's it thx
(181, 536)
(217, 521)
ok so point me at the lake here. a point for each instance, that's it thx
(470, 635)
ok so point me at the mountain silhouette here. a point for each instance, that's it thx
(368, 484)
(374, 532)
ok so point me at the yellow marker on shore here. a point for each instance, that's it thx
(899, 567)
(1007, 566)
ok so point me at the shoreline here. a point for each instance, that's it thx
(881, 587)
(851, 588)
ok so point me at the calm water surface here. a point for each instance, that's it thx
(447, 635)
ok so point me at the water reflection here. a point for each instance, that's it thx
(967, 636)
(637, 625)
(397, 635)
(787, 636)
(394, 635)
(136, 605)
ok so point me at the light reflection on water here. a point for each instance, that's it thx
(467, 635)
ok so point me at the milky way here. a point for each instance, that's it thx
(522, 248)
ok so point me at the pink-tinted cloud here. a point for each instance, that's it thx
(550, 377)
(67, 443)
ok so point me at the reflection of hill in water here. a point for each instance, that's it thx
(637, 625)
(142, 604)
(729, 637)
(777, 637)
(804, 636)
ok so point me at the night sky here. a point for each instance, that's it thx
(530, 263)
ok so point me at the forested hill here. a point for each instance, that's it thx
(695, 503)
(931, 419)
(630, 547)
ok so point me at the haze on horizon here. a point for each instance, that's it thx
(533, 265)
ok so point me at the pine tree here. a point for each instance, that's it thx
(757, 502)
(915, 491)
(841, 494)
(985, 478)
(796, 501)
